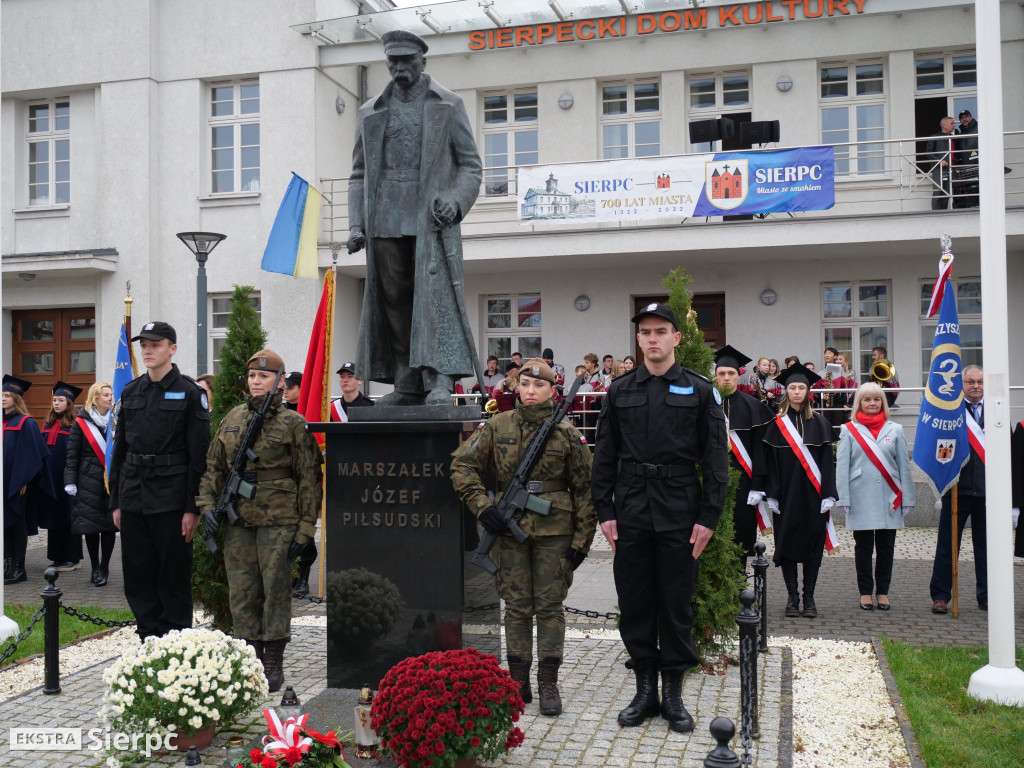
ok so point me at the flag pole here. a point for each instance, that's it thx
(322, 569)
(956, 553)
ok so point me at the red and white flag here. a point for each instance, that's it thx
(945, 273)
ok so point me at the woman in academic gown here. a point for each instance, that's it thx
(798, 446)
(25, 476)
(63, 547)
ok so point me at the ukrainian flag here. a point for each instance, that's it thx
(291, 247)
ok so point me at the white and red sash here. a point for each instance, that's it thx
(739, 450)
(337, 412)
(881, 462)
(976, 436)
(831, 537)
(803, 455)
(95, 438)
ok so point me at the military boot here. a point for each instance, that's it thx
(300, 588)
(520, 672)
(645, 703)
(672, 709)
(810, 581)
(547, 685)
(790, 576)
(273, 663)
(8, 566)
(17, 574)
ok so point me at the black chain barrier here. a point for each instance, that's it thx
(12, 648)
(611, 616)
(92, 619)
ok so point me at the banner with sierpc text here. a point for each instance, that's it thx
(718, 184)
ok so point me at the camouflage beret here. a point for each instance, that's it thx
(537, 369)
(266, 360)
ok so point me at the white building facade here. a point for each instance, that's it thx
(177, 115)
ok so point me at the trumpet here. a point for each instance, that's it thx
(882, 370)
(491, 406)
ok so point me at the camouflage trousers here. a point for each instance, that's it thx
(259, 580)
(533, 579)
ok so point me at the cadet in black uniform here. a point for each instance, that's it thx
(161, 432)
(657, 422)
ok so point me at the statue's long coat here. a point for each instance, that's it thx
(449, 167)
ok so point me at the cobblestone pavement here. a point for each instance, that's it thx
(595, 684)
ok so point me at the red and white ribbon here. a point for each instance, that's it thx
(739, 450)
(880, 460)
(803, 455)
(976, 436)
(831, 537)
(95, 438)
(945, 272)
(284, 736)
(337, 412)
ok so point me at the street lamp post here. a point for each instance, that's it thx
(201, 243)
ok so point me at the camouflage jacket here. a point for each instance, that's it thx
(289, 478)
(495, 449)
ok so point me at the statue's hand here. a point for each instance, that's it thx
(356, 241)
(445, 211)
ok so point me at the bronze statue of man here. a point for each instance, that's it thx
(415, 175)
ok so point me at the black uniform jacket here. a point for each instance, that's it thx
(160, 440)
(668, 423)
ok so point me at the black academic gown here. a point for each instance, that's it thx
(25, 456)
(1017, 472)
(800, 526)
(748, 418)
(55, 511)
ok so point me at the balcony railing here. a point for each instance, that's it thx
(872, 177)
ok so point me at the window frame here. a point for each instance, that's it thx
(854, 322)
(719, 109)
(51, 138)
(215, 334)
(852, 102)
(236, 120)
(630, 118)
(965, 320)
(514, 331)
(494, 185)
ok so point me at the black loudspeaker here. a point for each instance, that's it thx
(761, 132)
(711, 130)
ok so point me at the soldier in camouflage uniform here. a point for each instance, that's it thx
(533, 577)
(275, 524)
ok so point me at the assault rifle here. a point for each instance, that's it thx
(517, 497)
(236, 485)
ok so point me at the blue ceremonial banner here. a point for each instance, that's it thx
(720, 184)
(941, 447)
(124, 372)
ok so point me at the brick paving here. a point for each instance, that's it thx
(595, 684)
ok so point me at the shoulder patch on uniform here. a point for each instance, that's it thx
(583, 439)
(202, 399)
(717, 395)
(481, 425)
(174, 395)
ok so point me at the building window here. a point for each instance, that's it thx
(630, 119)
(510, 136)
(220, 312)
(968, 308)
(853, 110)
(235, 137)
(513, 325)
(714, 95)
(49, 152)
(947, 84)
(856, 317)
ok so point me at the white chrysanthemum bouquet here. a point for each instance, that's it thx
(183, 682)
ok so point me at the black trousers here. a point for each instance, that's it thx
(307, 558)
(62, 545)
(883, 542)
(16, 541)
(655, 575)
(157, 565)
(942, 570)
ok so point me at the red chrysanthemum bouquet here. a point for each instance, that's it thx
(445, 705)
(295, 743)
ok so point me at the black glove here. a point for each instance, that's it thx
(491, 520)
(294, 550)
(575, 557)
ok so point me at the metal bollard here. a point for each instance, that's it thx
(760, 565)
(51, 638)
(748, 621)
(722, 730)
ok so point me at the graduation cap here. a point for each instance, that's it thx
(730, 357)
(63, 389)
(15, 385)
(798, 374)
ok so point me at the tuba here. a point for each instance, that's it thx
(882, 370)
(827, 398)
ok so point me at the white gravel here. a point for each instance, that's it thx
(841, 709)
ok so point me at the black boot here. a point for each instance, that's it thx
(8, 566)
(300, 589)
(810, 580)
(672, 709)
(547, 686)
(273, 663)
(520, 672)
(101, 577)
(257, 645)
(789, 574)
(95, 575)
(17, 574)
(645, 703)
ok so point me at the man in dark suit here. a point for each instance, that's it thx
(940, 152)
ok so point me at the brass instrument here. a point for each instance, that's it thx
(882, 370)
(759, 387)
(827, 397)
(492, 406)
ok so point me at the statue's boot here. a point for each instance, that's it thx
(408, 388)
(440, 386)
